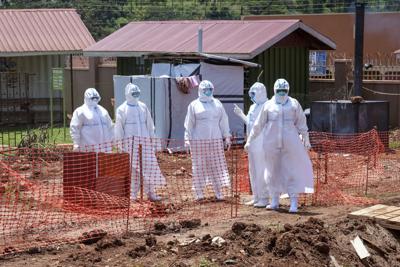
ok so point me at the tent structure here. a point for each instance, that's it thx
(168, 104)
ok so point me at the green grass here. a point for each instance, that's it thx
(12, 137)
(394, 144)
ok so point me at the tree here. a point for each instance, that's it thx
(103, 17)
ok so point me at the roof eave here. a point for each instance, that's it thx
(299, 25)
(318, 36)
(274, 40)
(39, 53)
(231, 59)
(99, 53)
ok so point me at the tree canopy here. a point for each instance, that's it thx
(103, 17)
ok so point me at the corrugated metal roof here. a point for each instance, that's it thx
(242, 39)
(42, 32)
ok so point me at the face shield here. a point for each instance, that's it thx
(206, 91)
(252, 96)
(281, 90)
(132, 94)
(258, 93)
(95, 98)
(92, 97)
(136, 94)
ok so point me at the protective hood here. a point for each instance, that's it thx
(281, 91)
(132, 94)
(206, 91)
(258, 93)
(92, 97)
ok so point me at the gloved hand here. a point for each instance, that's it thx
(238, 111)
(306, 141)
(187, 146)
(246, 147)
(75, 147)
(228, 143)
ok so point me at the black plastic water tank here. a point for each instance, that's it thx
(343, 116)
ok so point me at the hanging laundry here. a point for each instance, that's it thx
(183, 84)
(194, 81)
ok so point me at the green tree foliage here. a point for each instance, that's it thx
(105, 16)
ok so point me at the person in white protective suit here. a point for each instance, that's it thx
(91, 127)
(133, 126)
(206, 124)
(258, 95)
(289, 167)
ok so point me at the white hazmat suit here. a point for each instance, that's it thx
(91, 127)
(206, 123)
(133, 119)
(258, 95)
(289, 167)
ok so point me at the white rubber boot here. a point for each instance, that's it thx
(249, 203)
(274, 203)
(219, 195)
(218, 191)
(199, 196)
(293, 204)
(153, 196)
(253, 201)
(262, 203)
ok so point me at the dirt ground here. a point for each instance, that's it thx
(256, 238)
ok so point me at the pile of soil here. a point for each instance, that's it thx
(308, 243)
(161, 228)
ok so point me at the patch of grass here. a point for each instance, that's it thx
(12, 137)
(394, 144)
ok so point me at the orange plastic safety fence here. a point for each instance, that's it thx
(350, 168)
(56, 195)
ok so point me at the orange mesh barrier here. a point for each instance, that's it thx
(347, 167)
(243, 175)
(53, 195)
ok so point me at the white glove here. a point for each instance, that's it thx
(187, 146)
(75, 147)
(306, 141)
(238, 111)
(228, 143)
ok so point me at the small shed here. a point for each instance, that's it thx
(35, 45)
(280, 46)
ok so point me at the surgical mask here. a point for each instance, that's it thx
(207, 91)
(281, 92)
